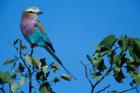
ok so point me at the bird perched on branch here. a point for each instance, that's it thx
(35, 34)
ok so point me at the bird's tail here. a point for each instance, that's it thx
(59, 61)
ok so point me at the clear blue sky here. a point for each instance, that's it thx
(75, 28)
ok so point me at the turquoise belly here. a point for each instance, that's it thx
(37, 37)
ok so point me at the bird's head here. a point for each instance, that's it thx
(34, 12)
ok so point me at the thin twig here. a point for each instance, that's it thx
(20, 54)
(103, 89)
(2, 88)
(30, 80)
(137, 90)
(86, 74)
(107, 73)
(10, 88)
(93, 86)
(128, 89)
(32, 50)
(28, 68)
(25, 75)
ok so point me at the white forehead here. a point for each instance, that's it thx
(34, 9)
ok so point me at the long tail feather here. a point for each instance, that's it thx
(59, 61)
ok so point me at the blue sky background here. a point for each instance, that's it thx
(75, 27)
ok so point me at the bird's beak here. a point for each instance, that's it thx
(39, 13)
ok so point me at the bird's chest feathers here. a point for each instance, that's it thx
(28, 26)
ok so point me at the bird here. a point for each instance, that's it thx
(34, 32)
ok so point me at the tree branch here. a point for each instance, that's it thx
(93, 86)
(30, 80)
(107, 73)
(10, 88)
(86, 74)
(103, 89)
(32, 50)
(127, 90)
(19, 51)
(2, 88)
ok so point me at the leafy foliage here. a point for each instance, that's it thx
(14, 87)
(111, 57)
(4, 77)
(66, 77)
(45, 88)
(122, 53)
(24, 66)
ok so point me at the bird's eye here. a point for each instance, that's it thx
(30, 11)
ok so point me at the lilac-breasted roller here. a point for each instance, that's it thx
(35, 34)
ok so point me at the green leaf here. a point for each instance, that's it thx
(101, 48)
(66, 77)
(107, 42)
(29, 59)
(123, 42)
(117, 69)
(23, 80)
(4, 77)
(35, 62)
(21, 67)
(7, 62)
(117, 59)
(56, 80)
(96, 75)
(136, 58)
(130, 44)
(119, 76)
(40, 76)
(45, 69)
(54, 67)
(137, 49)
(136, 77)
(132, 65)
(14, 87)
(110, 53)
(137, 43)
(32, 60)
(131, 59)
(13, 77)
(98, 62)
(45, 88)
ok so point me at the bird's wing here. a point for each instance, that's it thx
(42, 29)
(40, 26)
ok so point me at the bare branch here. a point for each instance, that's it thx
(86, 74)
(103, 89)
(32, 50)
(137, 89)
(19, 51)
(10, 88)
(2, 88)
(95, 85)
(126, 90)
(107, 73)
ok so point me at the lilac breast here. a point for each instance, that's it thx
(27, 25)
